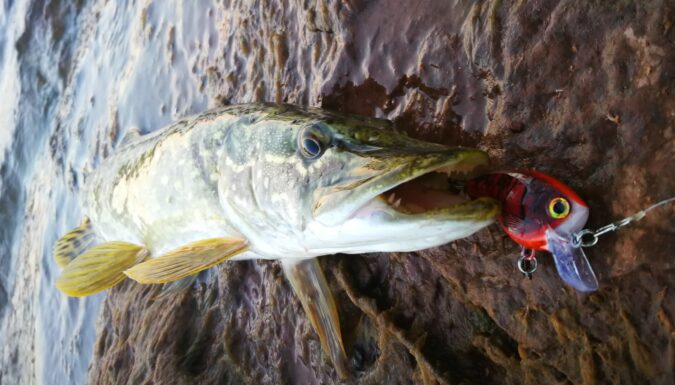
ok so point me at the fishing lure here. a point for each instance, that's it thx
(541, 213)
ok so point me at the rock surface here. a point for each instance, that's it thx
(582, 90)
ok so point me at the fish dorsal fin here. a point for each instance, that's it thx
(186, 260)
(99, 268)
(309, 284)
(74, 243)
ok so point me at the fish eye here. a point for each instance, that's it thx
(558, 208)
(310, 144)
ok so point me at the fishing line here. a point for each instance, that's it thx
(588, 237)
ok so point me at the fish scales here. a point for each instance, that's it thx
(267, 181)
(164, 190)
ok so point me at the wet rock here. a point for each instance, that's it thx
(580, 90)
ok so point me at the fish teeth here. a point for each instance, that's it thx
(397, 203)
(391, 198)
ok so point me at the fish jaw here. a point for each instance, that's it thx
(377, 227)
(367, 182)
(369, 217)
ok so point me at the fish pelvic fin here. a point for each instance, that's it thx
(99, 268)
(186, 260)
(309, 284)
(74, 243)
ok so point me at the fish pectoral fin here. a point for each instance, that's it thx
(99, 268)
(74, 243)
(186, 260)
(309, 284)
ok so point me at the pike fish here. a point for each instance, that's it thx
(267, 182)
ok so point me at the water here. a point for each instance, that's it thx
(74, 77)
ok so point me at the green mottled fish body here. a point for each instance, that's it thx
(267, 181)
(161, 190)
(235, 171)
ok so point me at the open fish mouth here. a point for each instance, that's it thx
(434, 195)
(402, 202)
(433, 192)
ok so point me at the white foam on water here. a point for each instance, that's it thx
(12, 25)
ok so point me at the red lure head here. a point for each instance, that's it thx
(541, 213)
(532, 203)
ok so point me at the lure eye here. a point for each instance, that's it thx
(310, 144)
(558, 208)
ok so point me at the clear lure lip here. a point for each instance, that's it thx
(571, 262)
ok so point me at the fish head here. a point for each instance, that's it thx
(326, 183)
